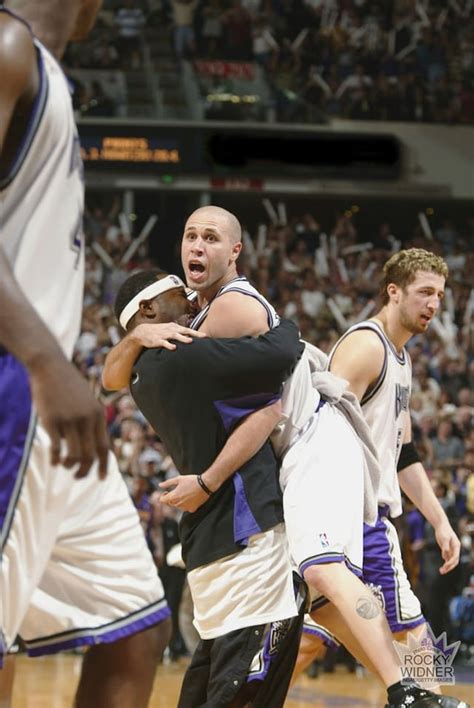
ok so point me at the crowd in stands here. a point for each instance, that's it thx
(403, 60)
(323, 276)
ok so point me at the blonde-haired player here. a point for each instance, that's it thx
(372, 357)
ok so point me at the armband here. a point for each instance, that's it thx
(408, 456)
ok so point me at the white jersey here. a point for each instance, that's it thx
(386, 409)
(239, 285)
(299, 398)
(41, 207)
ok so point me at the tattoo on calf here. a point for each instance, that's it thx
(367, 607)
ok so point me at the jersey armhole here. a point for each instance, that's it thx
(34, 121)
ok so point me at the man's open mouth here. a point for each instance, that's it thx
(196, 268)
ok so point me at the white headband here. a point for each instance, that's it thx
(148, 293)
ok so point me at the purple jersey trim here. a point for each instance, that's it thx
(234, 410)
(17, 425)
(106, 634)
(245, 524)
(33, 121)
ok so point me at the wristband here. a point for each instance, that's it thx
(204, 486)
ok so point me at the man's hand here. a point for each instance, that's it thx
(121, 359)
(68, 411)
(185, 494)
(159, 335)
(450, 547)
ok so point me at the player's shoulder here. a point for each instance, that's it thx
(359, 349)
(364, 340)
(234, 314)
(17, 50)
(15, 35)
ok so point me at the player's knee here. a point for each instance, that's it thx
(310, 647)
(321, 577)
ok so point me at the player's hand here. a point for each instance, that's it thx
(152, 336)
(184, 493)
(450, 547)
(68, 411)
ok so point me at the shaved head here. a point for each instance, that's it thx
(211, 244)
(233, 228)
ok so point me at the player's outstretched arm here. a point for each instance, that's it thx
(121, 358)
(416, 485)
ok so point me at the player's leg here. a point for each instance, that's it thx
(386, 576)
(313, 646)
(100, 589)
(325, 537)
(361, 612)
(31, 507)
(121, 674)
(323, 504)
(7, 675)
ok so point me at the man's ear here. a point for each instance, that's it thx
(393, 292)
(149, 309)
(236, 248)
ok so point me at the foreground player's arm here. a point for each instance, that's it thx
(62, 398)
(359, 360)
(416, 485)
(121, 358)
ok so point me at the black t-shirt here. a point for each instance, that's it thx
(193, 397)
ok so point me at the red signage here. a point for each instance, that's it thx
(225, 69)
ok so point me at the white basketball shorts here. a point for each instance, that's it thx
(323, 493)
(75, 569)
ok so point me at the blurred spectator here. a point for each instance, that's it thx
(183, 21)
(130, 21)
(211, 29)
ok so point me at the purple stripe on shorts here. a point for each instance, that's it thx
(321, 560)
(381, 576)
(3, 648)
(15, 414)
(245, 524)
(275, 635)
(102, 635)
(232, 411)
(327, 639)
